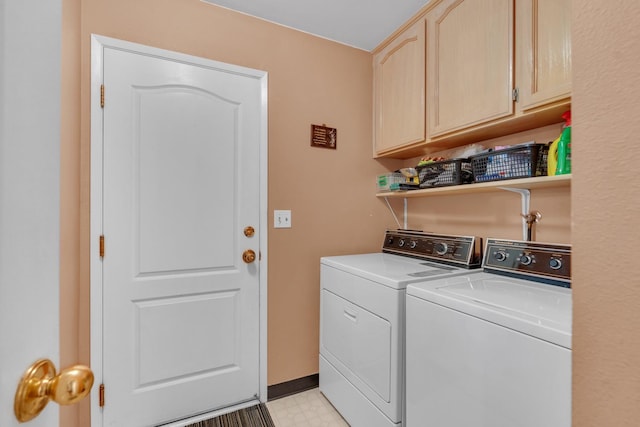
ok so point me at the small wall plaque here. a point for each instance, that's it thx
(322, 136)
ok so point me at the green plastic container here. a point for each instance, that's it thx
(564, 148)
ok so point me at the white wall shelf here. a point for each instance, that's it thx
(555, 181)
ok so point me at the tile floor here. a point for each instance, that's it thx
(309, 408)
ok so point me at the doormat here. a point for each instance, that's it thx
(254, 416)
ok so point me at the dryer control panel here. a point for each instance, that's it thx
(465, 251)
(531, 259)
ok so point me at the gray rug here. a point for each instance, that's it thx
(254, 416)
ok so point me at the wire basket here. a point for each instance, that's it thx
(446, 172)
(390, 181)
(522, 161)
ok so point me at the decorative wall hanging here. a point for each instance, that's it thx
(323, 136)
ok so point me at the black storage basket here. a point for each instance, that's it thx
(446, 172)
(521, 161)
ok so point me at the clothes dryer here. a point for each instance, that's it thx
(363, 316)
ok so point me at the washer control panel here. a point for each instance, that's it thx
(459, 250)
(543, 260)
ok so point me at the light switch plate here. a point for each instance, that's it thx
(282, 219)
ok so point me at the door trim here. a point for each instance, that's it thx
(98, 44)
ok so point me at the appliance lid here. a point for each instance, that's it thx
(391, 270)
(539, 310)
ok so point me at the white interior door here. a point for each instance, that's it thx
(180, 183)
(29, 195)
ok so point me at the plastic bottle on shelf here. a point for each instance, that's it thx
(564, 147)
(552, 157)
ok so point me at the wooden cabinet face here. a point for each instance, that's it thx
(544, 51)
(399, 91)
(469, 64)
(472, 54)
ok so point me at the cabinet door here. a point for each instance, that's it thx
(469, 63)
(544, 51)
(399, 91)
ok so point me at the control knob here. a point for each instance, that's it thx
(441, 248)
(555, 263)
(401, 243)
(526, 259)
(500, 256)
(413, 244)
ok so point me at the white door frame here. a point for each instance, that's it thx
(98, 44)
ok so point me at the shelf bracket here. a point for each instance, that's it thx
(406, 202)
(526, 201)
(386, 199)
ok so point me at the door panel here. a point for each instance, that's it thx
(544, 49)
(470, 65)
(160, 340)
(399, 90)
(360, 340)
(166, 142)
(30, 99)
(181, 180)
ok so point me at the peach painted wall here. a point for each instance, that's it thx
(606, 208)
(330, 192)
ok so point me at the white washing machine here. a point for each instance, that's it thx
(493, 349)
(362, 319)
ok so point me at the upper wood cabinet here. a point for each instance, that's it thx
(491, 67)
(469, 63)
(399, 91)
(543, 48)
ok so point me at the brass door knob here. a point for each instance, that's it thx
(248, 256)
(39, 384)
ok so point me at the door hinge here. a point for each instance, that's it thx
(101, 395)
(102, 96)
(101, 246)
(515, 94)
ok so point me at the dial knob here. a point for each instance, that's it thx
(441, 248)
(413, 244)
(555, 263)
(390, 241)
(500, 256)
(526, 259)
(401, 243)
